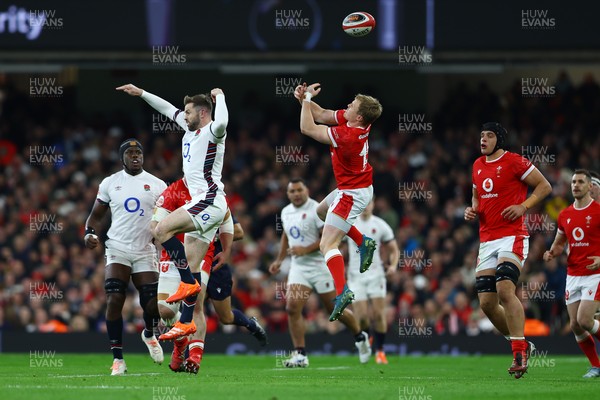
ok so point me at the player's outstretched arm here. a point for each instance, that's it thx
(557, 247)
(94, 219)
(160, 105)
(320, 115)
(307, 123)
(219, 125)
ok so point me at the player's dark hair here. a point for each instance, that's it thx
(296, 180)
(199, 100)
(582, 171)
(369, 108)
(594, 174)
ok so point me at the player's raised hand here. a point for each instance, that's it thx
(513, 212)
(314, 89)
(214, 93)
(595, 265)
(274, 267)
(470, 213)
(131, 90)
(299, 92)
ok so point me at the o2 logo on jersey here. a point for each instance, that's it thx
(578, 234)
(295, 233)
(186, 152)
(488, 184)
(136, 203)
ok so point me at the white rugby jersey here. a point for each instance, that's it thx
(202, 149)
(378, 230)
(131, 200)
(202, 155)
(302, 227)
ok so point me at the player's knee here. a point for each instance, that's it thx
(575, 327)
(115, 290)
(226, 318)
(507, 271)
(585, 323)
(148, 293)
(159, 232)
(166, 310)
(293, 308)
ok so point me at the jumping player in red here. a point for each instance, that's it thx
(579, 226)
(500, 181)
(347, 137)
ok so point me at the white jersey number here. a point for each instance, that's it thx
(365, 154)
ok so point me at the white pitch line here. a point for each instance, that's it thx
(309, 368)
(72, 387)
(101, 375)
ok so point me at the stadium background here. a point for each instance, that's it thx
(61, 122)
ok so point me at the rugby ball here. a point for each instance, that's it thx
(358, 24)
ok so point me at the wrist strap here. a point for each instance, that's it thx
(307, 96)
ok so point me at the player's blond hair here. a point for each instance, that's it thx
(369, 108)
(199, 100)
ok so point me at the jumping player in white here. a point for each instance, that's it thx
(203, 148)
(130, 195)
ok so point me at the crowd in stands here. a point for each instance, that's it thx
(52, 160)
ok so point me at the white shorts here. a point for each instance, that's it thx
(145, 262)
(347, 204)
(169, 279)
(514, 247)
(319, 279)
(582, 288)
(368, 288)
(207, 215)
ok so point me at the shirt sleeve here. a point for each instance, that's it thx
(387, 234)
(339, 117)
(522, 167)
(103, 194)
(559, 224)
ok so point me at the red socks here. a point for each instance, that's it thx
(355, 235)
(335, 263)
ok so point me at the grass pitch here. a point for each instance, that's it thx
(86, 376)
